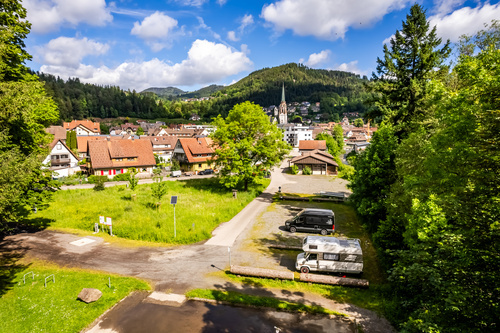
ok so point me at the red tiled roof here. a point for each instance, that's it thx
(312, 144)
(102, 152)
(197, 146)
(58, 131)
(319, 156)
(82, 142)
(92, 126)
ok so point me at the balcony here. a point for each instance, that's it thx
(59, 161)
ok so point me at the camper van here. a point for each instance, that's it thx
(330, 254)
(313, 220)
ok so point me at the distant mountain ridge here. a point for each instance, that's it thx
(170, 92)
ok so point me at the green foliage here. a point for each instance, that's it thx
(247, 145)
(140, 131)
(331, 143)
(132, 180)
(175, 165)
(42, 306)
(99, 183)
(306, 171)
(158, 188)
(374, 174)
(13, 30)
(295, 169)
(405, 70)
(358, 122)
(338, 134)
(121, 177)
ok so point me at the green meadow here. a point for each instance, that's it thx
(30, 306)
(202, 205)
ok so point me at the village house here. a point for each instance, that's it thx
(112, 157)
(61, 159)
(194, 154)
(163, 146)
(320, 163)
(83, 127)
(307, 146)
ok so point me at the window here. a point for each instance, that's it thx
(199, 165)
(331, 256)
(312, 256)
(313, 247)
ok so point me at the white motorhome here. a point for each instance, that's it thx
(330, 254)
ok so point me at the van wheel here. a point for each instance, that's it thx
(304, 269)
(323, 232)
(293, 229)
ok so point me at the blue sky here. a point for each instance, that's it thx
(190, 44)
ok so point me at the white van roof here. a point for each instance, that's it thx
(332, 244)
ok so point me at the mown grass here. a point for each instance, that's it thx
(202, 205)
(233, 297)
(31, 307)
(371, 298)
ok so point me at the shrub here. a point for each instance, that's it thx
(306, 171)
(295, 169)
(99, 183)
(122, 177)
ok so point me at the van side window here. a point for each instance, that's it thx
(313, 256)
(331, 256)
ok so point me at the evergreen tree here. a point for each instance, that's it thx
(404, 72)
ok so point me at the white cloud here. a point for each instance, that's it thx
(221, 2)
(317, 58)
(231, 35)
(246, 21)
(155, 29)
(193, 3)
(69, 52)
(207, 62)
(466, 20)
(48, 15)
(351, 67)
(327, 20)
(443, 7)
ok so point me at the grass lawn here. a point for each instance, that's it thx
(260, 301)
(202, 205)
(32, 307)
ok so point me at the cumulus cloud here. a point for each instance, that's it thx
(155, 30)
(48, 15)
(231, 35)
(351, 67)
(206, 62)
(69, 52)
(221, 2)
(466, 20)
(324, 20)
(317, 58)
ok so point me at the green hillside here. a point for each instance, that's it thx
(164, 92)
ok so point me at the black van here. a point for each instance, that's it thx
(313, 220)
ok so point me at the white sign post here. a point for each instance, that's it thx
(108, 222)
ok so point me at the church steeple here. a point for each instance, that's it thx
(282, 111)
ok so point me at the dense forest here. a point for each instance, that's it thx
(337, 91)
(427, 187)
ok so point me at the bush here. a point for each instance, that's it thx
(121, 177)
(295, 169)
(99, 183)
(306, 171)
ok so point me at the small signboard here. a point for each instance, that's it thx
(108, 220)
(101, 219)
(173, 200)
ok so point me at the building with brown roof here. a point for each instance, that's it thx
(81, 144)
(320, 163)
(306, 146)
(163, 146)
(57, 131)
(61, 159)
(83, 127)
(194, 154)
(112, 157)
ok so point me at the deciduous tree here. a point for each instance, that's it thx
(247, 145)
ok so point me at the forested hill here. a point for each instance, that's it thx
(337, 91)
(301, 84)
(164, 92)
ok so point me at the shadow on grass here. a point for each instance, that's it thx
(11, 253)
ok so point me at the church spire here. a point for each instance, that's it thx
(283, 93)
